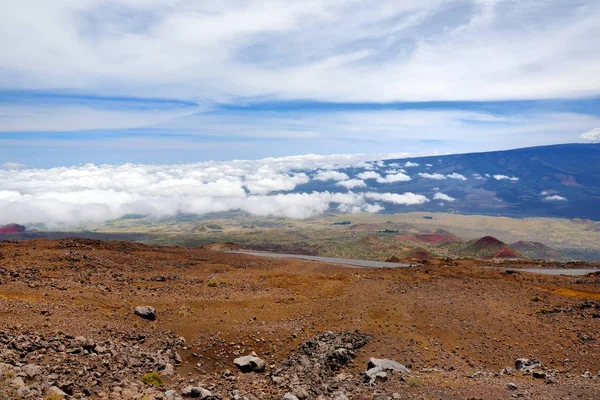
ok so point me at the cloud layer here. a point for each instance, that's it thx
(92, 194)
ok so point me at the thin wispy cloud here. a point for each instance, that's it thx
(178, 81)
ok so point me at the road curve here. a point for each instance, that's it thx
(332, 260)
(382, 264)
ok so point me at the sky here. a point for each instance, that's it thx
(109, 107)
(181, 81)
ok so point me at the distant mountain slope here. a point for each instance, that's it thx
(549, 181)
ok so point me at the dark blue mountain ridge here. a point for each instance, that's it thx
(547, 181)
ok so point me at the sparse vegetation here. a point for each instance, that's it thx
(414, 382)
(153, 379)
(212, 284)
(536, 299)
(54, 397)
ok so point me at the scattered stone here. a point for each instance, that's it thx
(196, 392)
(54, 391)
(387, 365)
(539, 375)
(339, 396)
(527, 364)
(145, 312)
(250, 363)
(511, 386)
(375, 374)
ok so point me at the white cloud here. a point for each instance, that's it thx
(330, 176)
(266, 181)
(352, 183)
(438, 177)
(457, 176)
(368, 175)
(500, 177)
(593, 135)
(92, 194)
(399, 177)
(409, 164)
(275, 48)
(12, 165)
(555, 198)
(407, 198)
(442, 196)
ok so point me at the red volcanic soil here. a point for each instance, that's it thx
(440, 237)
(489, 247)
(419, 253)
(12, 228)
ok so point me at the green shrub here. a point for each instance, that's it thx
(153, 379)
(536, 299)
(212, 284)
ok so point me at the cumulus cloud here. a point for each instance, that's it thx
(330, 176)
(555, 198)
(368, 175)
(407, 198)
(92, 194)
(399, 177)
(500, 177)
(593, 135)
(436, 176)
(409, 164)
(442, 196)
(352, 183)
(459, 177)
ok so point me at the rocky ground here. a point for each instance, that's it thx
(232, 326)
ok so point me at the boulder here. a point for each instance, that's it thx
(375, 374)
(290, 396)
(145, 312)
(511, 386)
(527, 364)
(196, 392)
(387, 365)
(250, 363)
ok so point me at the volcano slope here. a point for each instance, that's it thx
(68, 329)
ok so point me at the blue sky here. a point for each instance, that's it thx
(165, 81)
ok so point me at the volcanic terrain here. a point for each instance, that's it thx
(68, 327)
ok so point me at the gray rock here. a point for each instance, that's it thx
(169, 370)
(17, 383)
(196, 392)
(539, 375)
(145, 312)
(375, 374)
(54, 391)
(387, 365)
(172, 395)
(250, 363)
(527, 364)
(290, 396)
(511, 386)
(31, 370)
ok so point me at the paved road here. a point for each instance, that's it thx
(381, 264)
(333, 260)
